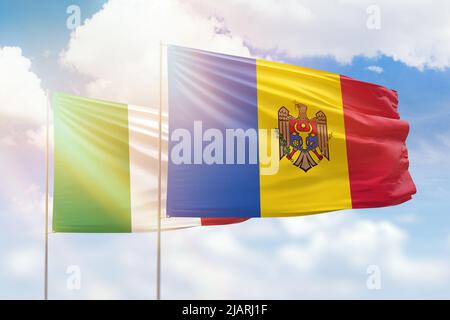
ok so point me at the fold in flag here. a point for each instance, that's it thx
(254, 138)
(106, 168)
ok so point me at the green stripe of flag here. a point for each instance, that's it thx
(91, 166)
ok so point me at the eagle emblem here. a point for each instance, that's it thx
(303, 140)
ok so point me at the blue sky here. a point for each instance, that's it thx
(410, 242)
(39, 28)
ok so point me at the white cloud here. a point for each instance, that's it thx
(38, 137)
(23, 105)
(31, 201)
(28, 205)
(359, 243)
(434, 150)
(119, 47)
(376, 69)
(407, 218)
(8, 140)
(339, 28)
(323, 256)
(21, 94)
(23, 263)
(47, 53)
(23, 102)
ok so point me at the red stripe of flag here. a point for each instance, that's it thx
(221, 221)
(376, 151)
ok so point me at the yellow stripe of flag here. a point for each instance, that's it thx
(290, 191)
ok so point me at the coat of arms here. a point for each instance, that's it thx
(303, 140)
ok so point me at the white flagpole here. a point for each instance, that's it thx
(46, 198)
(158, 239)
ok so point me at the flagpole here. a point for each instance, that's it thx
(158, 234)
(46, 198)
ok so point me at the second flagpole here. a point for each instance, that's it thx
(158, 235)
(47, 143)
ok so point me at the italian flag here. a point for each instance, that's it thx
(106, 168)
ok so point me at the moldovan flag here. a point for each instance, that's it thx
(106, 168)
(254, 138)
